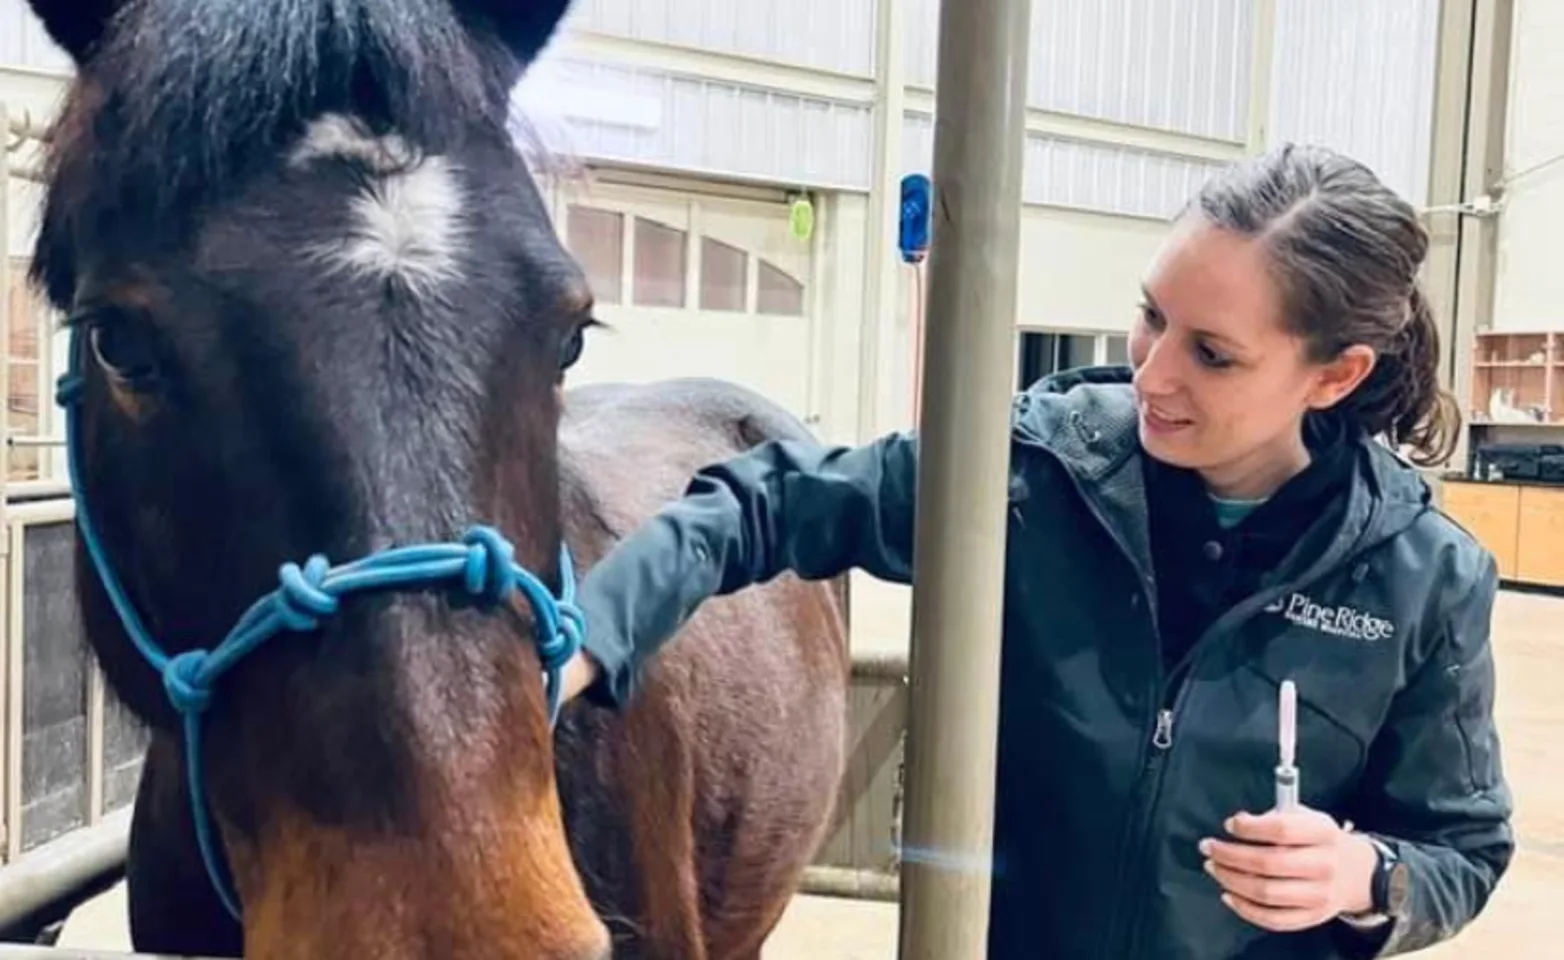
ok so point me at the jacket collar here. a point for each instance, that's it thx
(1087, 419)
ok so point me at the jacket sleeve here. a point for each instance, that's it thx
(1438, 795)
(817, 511)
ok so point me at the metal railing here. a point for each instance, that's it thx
(860, 858)
(64, 769)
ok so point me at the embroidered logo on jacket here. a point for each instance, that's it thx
(1338, 621)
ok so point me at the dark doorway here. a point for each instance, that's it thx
(1045, 353)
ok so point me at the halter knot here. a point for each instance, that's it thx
(184, 678)
(301, 601)
(68, 389)
(555, 650)
(490, 572)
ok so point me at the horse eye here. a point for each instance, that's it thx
(125, 351)
(570, 350)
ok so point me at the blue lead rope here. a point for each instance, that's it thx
(483, 563)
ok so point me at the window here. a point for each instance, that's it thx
(1046, 352)
(779, 294)
(659, 264)
(596, 238)
(648, 257)
(22, 359)
(724, 276)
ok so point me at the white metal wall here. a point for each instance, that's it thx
(1179, 65)
(653, 117)
(1359, 77)
(1084, 176)
(1527, 288)
(836, 35)
(23, 42)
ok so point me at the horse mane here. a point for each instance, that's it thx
(186, 99)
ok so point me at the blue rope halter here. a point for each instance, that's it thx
(483, 562)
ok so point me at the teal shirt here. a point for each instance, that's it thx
(1230, 513)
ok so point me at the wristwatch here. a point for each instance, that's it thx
(1392, 880)
(1390, 888)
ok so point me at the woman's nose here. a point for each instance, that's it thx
(1156, 375)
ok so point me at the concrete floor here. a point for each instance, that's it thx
(1522, 921)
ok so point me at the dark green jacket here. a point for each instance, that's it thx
(1382, 621)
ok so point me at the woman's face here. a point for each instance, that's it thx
(1221, 384)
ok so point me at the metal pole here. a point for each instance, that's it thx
(962, 478)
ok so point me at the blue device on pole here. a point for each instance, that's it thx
(917, 193)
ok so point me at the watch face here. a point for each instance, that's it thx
(1398, 888)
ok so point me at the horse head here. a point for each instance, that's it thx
(320, 322)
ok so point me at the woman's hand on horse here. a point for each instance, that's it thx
(580, 672)
(1291, 870)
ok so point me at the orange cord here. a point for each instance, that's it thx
(917, 340)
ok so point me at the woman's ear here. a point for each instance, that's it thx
(1341, 376)
(76, 26)
(523, 27)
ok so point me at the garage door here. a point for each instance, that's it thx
(693, 285)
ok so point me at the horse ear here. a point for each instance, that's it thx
(523, 27)
(76, 26)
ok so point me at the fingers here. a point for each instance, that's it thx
(580, 672)
(1312, 895)
(1304, 863)
(1299, 827)
(1278, 919)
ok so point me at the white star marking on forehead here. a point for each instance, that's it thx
(407, 223)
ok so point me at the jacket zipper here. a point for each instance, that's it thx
(1132, 859)
(1175, 691)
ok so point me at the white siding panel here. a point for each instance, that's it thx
(1359, 77)
(917, 143)
(833, 35)
(1090, 176)
(1084, 176)
(1180, 65)
(1527, 288)
(26, 202)
(920, 46)
(1534, 128)
(643, 116)
(23, 42)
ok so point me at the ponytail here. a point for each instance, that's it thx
(1402, 399)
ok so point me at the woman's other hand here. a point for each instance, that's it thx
(1291, 870)
(580, 672)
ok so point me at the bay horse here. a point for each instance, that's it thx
(318, 310)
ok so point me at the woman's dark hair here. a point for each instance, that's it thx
(1345, 251)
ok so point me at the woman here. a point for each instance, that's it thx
(1184, 535)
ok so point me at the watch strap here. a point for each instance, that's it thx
(1379, 888)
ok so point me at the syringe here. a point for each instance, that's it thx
(1287, 743)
